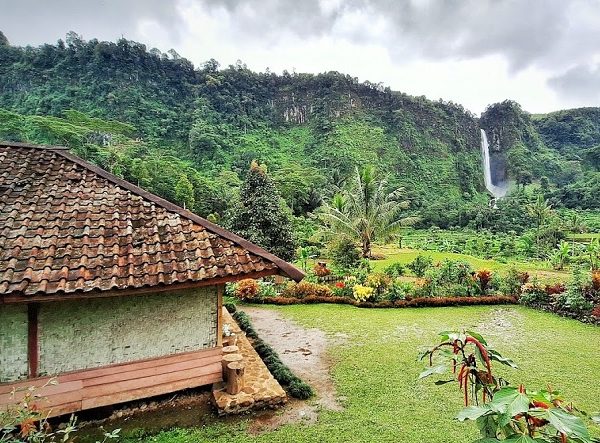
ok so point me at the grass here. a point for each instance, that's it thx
(376, 372)
(405, 256)
(586, 237)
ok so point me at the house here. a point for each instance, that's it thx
(109, 290)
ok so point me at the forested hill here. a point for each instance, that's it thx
(189, 133)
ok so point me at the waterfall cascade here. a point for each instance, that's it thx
(496, 191)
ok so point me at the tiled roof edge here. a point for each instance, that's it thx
(29, 145)
(287, 268)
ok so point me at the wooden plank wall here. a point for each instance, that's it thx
(119, 383)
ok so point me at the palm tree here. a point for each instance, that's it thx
(365, 211)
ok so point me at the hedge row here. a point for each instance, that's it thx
(412, 303)
(286, 378)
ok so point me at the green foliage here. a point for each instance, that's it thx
(502, 413)
(395, 270)
(344, 254)
(420, 265)
(261, 215)
(399, 290)
(366, 211)
(532, 294)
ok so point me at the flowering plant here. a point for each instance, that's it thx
(363, 293)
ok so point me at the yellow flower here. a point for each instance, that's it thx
(362, 293)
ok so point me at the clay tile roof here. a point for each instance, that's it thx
(68, 226)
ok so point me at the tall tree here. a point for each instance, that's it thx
(184, 192)
(261, 215)
(366, 212)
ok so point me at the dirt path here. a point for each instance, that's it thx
(304, 351)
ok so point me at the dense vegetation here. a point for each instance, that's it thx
(190, 133)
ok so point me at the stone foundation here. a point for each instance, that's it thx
(260, 390)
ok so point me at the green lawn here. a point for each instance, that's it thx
(539, 269)
(376, 372)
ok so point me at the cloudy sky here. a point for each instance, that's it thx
(543, 53)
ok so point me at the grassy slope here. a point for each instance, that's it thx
(405, 256)
(376, 372)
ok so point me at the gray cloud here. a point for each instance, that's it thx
(580, 82)
(536, 32)
(34, 22)
(557, 38)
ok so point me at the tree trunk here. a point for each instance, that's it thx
(366, 248)
(231, 349)
(229, 358)
(235, 377)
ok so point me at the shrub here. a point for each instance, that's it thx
(363, 293)
(230, 289)
(231, 307)
(596, 312)
(306, 289)
(245, 324)
(266, 290)
(379, 282)
(514, 281)
(399, 291)
(343, 289)
(320, 269)
(596, 281)
(579, 294)
(484, 278)
(344, 254)
(395, 270)
(420, 264)
(576, 302)
(454, 272)
(533, 295)
(555, 289)
(299, 389)
(247, 289)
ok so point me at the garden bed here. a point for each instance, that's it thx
(413, 303)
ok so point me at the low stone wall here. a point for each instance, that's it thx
(260, 390)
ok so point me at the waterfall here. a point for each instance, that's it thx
(496, 191)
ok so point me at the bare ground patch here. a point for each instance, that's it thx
(304, 351)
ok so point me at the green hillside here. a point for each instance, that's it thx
(155, 119)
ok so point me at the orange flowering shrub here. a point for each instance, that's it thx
(247, 289)
(321, 270)
(557, 288)
(306, 289)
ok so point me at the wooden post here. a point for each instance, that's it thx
(231, 350)
(220, 290)
(235, 377)
(33, 350)
(229, 358)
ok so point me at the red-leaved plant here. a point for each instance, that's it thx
(502, 412)
(484, 277)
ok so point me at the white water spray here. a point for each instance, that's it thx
(496, 191)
